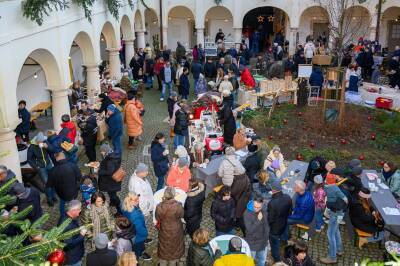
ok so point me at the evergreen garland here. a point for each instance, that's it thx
(218, 2)
(113, 6)
(35, 10)
(87, 7)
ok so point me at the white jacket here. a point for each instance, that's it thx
(142, 187)
(268, 162)
(230, 167)
(309, 50)
(225, 85)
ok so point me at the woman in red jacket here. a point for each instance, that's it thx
(66, 123)
(247, 78)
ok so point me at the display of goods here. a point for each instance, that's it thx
(384, 103)
(214, 143)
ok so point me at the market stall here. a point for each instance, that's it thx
(371, 92)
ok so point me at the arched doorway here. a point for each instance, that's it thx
(180, 27)
(152, 27)
(356, 24)
(126, 52)
(139, 30)
(39, 78)
(390, 28)
(262, 24)
(109, 51)
(219, 17)
(314, 21)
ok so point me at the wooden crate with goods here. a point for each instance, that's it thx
(322, 60)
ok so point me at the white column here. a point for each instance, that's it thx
(60, 105)
(114, 63)
(372, 33)
(141, 42)
(93, 81)
(237, 32)
(9, 152)
(165, 38)
(292, 40)
(129, 52)
(200, 36)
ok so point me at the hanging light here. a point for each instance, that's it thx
(35, 76)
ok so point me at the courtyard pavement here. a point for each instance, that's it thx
(154, 121)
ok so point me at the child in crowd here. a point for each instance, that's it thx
(223, 212)
(319, 199)
(88, 189)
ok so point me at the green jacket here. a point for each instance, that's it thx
(199, 255)
(394, 184)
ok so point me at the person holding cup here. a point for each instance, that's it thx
(159, 157)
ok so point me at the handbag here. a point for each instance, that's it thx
(119, 175)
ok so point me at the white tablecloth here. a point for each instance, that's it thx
(180, 196)
(245, 246)
(387, 92)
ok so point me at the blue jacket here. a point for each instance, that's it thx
(24, 126)
(184, 84)
(115, 125)
(136, 217)
(304, 208)
(333, 193)
(54, 145)
(316, 78)
(75, 246)
(196, 69)
(160, 162)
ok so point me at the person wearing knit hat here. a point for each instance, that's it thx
(365, 218)
(336, 203)
(354, 163)
(102, 255)
(234, 256)
(179, 175)
(115, 127)
(319, 196)
(140, 185)
(318, 179)
(105, 149)
(354, 180)
(28, 196)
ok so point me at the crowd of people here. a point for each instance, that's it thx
(250, 202)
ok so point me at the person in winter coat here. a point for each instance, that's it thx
(140, 185)
(171, 101)
(317, 79)
(67, 124)
(28, 196)
(22, 129)
(131, 210)
(148, 71)
(234, 256)
(210, 70)
(157, 71)
(227, 119)
(257, 230)
(223, 212)
(124, 235)
(99, 215)
(88, 128)
(167, 75)
(108, 166)
(240, 139)
(105, 102)
(184, 84)
(303, 212)
(201, 86)
(5, 176)
(115, 127)
(199, 249)
(65, 178)
(53, 143)
(315, 167)
(159, 157)
(274, 162)
(39, 159)
(279, 209)
(133, 121)
(296, 254)
(319, 196)
(252, 164)
(136, 66)
(169, 214)
(181, 124)
(180, 52)
(195, 53)
(246, 78)
(75, 245)
(179, 175)
(230, 167)
(196, 69)
(391, 176)
(102, 255)
(194, 206)
(225, 85)
(365, 218)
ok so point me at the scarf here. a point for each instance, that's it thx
(387, 175)
(96, 214)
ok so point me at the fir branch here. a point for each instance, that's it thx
(87, 7)
(35, 10)
(113, 7)
(131, 4)
(145, 5)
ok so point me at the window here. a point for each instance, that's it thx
(395, 31)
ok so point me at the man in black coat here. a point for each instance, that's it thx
(210, 70)
(75, 246)
(28, 197)
(226, 119)
(65, 178)
(22, 129)
(194, 206)
(279, 209)
(181, 125)
(101, 256)
(88, 126)
(252, 164)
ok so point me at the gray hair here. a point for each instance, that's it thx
(73, 205)
(300, 184)
(276, 148)
(169, 193)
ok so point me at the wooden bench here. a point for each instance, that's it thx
(360, 238)
(302, 228)
(39, 109)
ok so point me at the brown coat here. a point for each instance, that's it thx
(239, 141)
(171, 242)
(132, 119)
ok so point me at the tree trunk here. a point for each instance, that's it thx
(378, 20)
(342, 105)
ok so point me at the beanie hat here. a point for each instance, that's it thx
(174, 94)
(235, 243)
(318, 179)
(105, 147)
(354, 163)
(330, 179)
(276, 185)
(40, 137)
(357, 170)
(141, 167)
(101, 241)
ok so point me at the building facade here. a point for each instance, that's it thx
(39, 63)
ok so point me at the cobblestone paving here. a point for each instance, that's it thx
(156, 112)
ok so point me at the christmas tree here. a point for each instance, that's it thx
(13, 251)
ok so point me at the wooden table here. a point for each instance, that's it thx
(294, 165)
(39, 109)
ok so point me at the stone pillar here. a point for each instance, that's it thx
(114, 63)
(129, 52)
(9, 152)
(165, 38)
(141, 42)
(60, 105)
(200, 36)
(372, 33)
(292, 40)
(93, 81)
(237, 35)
